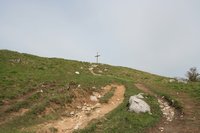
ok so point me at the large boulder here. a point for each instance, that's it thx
(136, 104)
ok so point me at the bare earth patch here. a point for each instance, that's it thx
(80, 119)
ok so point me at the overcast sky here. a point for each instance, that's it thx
(157, 36)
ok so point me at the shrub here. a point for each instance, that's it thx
(193, 74)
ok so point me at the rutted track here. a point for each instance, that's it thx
(81, 120)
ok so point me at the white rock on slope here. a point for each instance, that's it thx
(93, 98)
(77, 72)
(137, 105)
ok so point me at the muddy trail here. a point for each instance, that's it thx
(81, 119)
(186, 121)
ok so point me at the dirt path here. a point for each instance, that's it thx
(81, 119)
(188, 122)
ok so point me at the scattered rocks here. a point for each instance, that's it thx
(15, 60)
(161, 129)
(86, 108)
(167, 110)
(179, 80)
(98, 70)
(136, 104)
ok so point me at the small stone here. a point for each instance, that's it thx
(98, 105)
(91, 68)
(78, 107)
(93, 98)
(77, 72)
(100, 71)
(72, 113)
(88, 108)
(94, 65)
(161, 129)
(93, 87)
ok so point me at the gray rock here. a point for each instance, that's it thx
(93, 98)
(136, 104)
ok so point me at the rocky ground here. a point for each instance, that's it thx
(79, 118)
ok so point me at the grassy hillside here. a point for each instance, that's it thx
(34, 84)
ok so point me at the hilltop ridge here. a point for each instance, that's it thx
(36, 90)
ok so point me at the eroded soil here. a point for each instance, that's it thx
(81, 118)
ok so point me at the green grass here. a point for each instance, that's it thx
(17, 106)
(26, 78)
(107, 96)
(120, 120)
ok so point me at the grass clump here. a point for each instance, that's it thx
(107, 96)
(61, 99)
(16, 107)
(53, 130)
